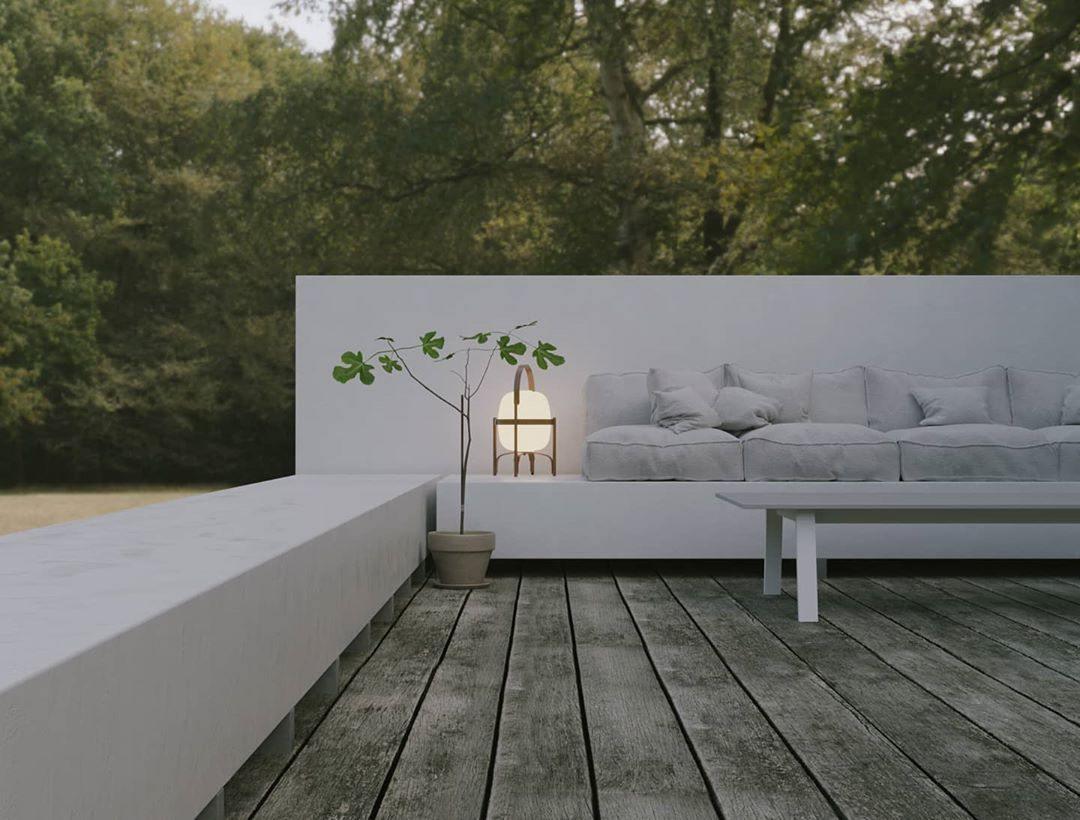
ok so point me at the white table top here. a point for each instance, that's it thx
(68, 587)
(912, 495)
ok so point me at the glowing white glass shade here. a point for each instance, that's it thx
(531, 437)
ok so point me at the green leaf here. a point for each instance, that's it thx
(509, 350)
(431, 344)
(366, 374)
(480, 338)
(545, 354)
(389, 363)
(527, 324)
(355, 364)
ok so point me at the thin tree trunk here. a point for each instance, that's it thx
(464, 458)
(716, 230)
(778, 79)
(628, 135)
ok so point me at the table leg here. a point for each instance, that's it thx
(806, 565)
(774, 548)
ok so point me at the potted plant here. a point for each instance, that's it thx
(461, 557)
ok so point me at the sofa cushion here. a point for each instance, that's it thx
(613, 399)
(1037, 396)
(976, 452)
(1067, 439)
(740, 409)
(642, 452)
(952, 405)
(682, 409)
(1070, 408)
(839, 397)
(819, 452)
(891, 406)
(706, 384)
(792, 390)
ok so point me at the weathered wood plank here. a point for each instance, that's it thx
(1060, 628)
(643, 765)
(341, 770)
(541, 766)
(1017, 671)
(443, 768)
(1046, 739)
(1026, 595)
(864, 774)
(250, 784)
(988, 778)
(750, 769)
(1055, 653)
(1058, 587)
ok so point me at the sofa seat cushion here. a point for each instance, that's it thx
(642, 452)
(976, 452)
(819, 452)
(1067, 439)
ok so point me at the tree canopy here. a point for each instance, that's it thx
(166, 172)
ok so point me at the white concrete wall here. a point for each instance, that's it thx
(605, 324)
(932, 325)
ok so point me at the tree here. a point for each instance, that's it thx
(50, 309)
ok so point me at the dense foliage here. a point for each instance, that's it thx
(165, 173)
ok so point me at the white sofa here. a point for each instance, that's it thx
(857, 424)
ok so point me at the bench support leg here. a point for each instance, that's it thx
(279, 742)
(360, 643)
(403, 594)
(386, 614)
(774, 548)
(419, 575)
(215, 809)
(327, 684)
(806, 565)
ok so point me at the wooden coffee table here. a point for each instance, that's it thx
(919, 502)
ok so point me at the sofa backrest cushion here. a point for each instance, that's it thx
(615, 399)
(890, 405)
(792, 390)
(839, 397)
(704, 384)
(1037, 396)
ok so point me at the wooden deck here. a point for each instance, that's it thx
(679, 691)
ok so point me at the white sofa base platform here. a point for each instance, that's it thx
(146, 654)
(567, 517)
(808, 504)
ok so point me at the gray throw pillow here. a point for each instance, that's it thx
(663, 379)
(953, 405)
(792, 390)
(740, 409)
(1070, 411)
(682, 409)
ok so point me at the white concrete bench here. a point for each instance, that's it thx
(144, 655)
(811, 503)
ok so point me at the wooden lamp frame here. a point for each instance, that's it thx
(516, 422)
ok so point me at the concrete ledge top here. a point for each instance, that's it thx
(68, 587)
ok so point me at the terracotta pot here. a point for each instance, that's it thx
(461, 559)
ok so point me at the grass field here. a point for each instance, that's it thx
(25, 509)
